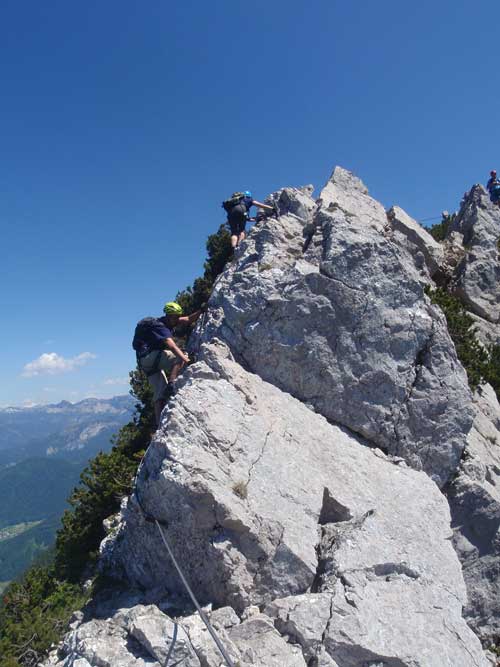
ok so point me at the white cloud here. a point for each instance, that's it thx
(51, 363)
(117, 381)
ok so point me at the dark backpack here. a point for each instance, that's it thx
(236, 198)
(142, 333)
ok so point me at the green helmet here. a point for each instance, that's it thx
(172, 308)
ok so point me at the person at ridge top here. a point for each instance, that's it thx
(237, 209)
(493, 187)
(157, 353)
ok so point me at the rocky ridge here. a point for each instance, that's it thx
(307, 466)
(477, 278)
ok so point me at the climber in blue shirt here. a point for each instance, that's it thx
(238, 207)
(493, 187)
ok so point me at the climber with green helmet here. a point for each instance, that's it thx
(237, 208)
(157, 353)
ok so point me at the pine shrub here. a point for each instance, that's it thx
(482, 365)
(33, 614)
(440, 229)
(219, 251)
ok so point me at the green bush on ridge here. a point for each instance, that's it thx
(33, 615)
(440, 229)
(481, 365)
(219, 251)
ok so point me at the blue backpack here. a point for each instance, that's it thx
(143, 338)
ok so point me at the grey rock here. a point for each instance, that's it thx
(261, 644)
(139, 636)
(475, 505)
(303, 617)
(253, 642)
(250, 611)
(295, 201)
(143, 635)
(477, 278)
(418, 238)
(348, 622)
(454, 253)
(256, 488)
(346, 328)
(486, 332)
(103, 643)
(203, 644)
(224, 617)
(156, 633)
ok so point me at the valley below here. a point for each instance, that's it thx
(43, 451)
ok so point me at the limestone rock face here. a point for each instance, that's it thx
(265, 500)
(297, 470)
(419, 240)
(144, 636)
(477, 278)
(345, 327)
(140, 636)
(344, 614)
(454, 254)
(475, 505)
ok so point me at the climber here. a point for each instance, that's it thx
(237, 208)
(493, 187)
(157, 353)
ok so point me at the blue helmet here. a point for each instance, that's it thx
(247, 193)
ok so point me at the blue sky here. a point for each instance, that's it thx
(123, 125)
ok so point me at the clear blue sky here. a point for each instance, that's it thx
(124, 124)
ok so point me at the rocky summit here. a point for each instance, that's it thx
(324, 475)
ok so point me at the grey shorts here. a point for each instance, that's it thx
(157, 380)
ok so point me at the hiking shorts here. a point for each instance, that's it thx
(166, 363)
(237, 220)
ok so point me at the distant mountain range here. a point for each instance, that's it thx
(72, 431)
(43, 449)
